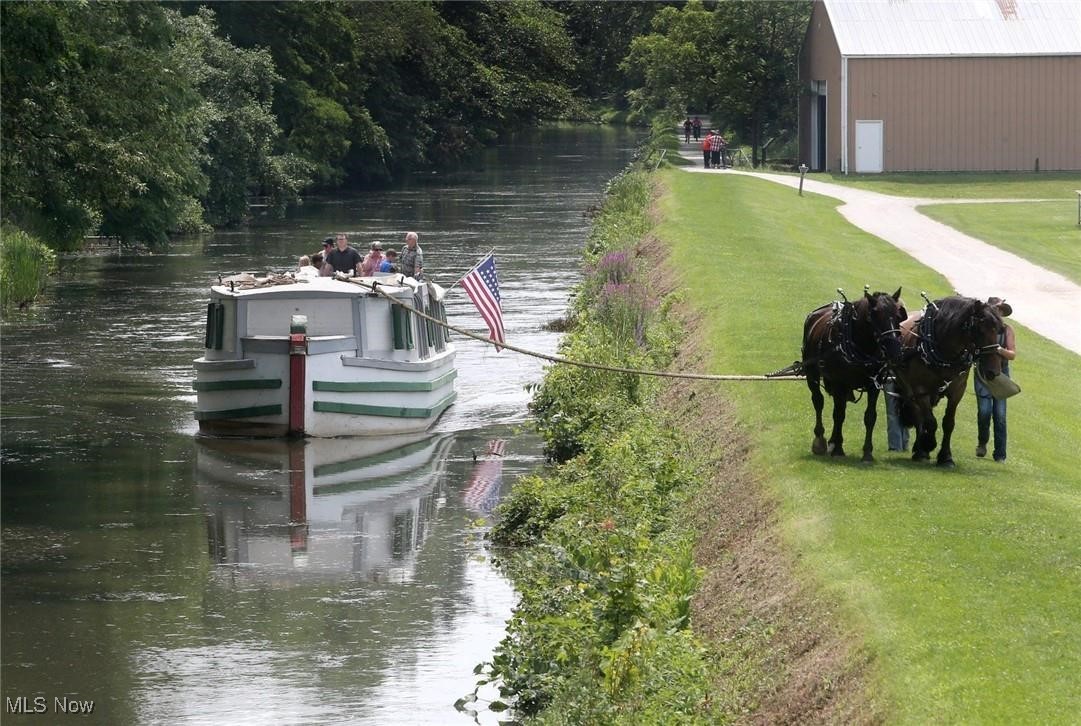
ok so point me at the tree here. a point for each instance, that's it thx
(759, 89)
(737, 60)
(99, 127)
(237, 89)
(602, 33)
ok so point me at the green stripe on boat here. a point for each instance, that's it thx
(361, 409)
(384, 386)
(364, 462)
(237, 384)
(249, 412)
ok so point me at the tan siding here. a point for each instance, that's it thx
(981, 114)
(820, 60)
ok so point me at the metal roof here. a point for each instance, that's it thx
(956, 27)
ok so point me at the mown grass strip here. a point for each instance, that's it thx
(965, 583)
(1044, 233)
(964, 185)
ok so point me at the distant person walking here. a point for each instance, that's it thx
(687, 130)
(717, 150)
(716, 143)
(988, 408)
(697, 126)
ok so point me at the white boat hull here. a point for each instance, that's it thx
(356, 379)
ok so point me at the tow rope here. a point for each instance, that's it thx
(790, 373)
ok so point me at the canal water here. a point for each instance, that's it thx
(173, 579)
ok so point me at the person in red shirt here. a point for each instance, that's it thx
(707, 147)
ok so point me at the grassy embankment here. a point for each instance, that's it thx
(963, 585)
(603, 556)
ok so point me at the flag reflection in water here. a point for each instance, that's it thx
(483, 492)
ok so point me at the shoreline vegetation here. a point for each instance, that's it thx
(685, 559)
(616, 548)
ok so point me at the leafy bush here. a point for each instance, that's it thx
(25, 263)
(603, 561)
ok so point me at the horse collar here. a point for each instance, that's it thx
(929, 352)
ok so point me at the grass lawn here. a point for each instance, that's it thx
(1045, 233)
(965, 185)
(965, 584)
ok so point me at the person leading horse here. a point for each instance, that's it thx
(940, 346)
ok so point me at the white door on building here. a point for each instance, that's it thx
(868, 147)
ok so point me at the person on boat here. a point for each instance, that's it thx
(305, 268)
(342, 258)
(412, 257)
(372, 261)
(319, 258)
(988, 408)
(390, 262)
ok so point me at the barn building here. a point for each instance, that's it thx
(941, 85)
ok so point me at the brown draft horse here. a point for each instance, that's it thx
(953, 334)
(846, 348)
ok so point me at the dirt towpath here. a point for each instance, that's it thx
(1042, 301)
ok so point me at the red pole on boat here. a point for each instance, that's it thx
(298, 356)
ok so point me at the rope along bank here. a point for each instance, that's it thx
(785, 374)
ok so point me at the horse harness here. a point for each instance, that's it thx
(933, 357)
(839, 333)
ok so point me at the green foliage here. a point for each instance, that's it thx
(372, 90)
(100, 121)
(602, 35)
(604, 565)
(624, 217)
(25, 263)
(736, 60)
(237, 88)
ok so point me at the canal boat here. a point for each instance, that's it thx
(323, 356)
(288, 511)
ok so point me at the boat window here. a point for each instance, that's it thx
(423, 337)
(215, 326)
(435, 332)
(403, 328)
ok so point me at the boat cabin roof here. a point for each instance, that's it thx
(249, 286)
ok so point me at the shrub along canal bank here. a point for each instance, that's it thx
(688, 560)
(649, 494)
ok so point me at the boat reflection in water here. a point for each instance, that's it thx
(286, 511)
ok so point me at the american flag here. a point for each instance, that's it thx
(482, 494)
(482, 287)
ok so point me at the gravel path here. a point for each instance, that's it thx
(1042, 301)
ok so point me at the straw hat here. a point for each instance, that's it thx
(1004, 308)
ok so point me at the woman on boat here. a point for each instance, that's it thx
(373, 260)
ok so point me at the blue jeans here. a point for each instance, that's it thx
(896, 434)
(987, 410)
